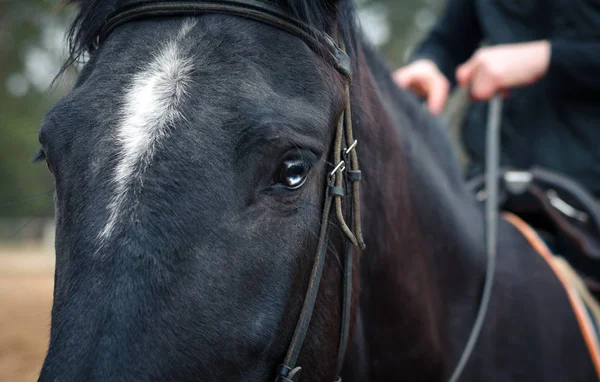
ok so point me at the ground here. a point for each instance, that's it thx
(26, 279)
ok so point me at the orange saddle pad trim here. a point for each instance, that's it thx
(583, 318)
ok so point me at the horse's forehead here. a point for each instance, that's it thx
(142, 88)
(228, 59)
(158, 94)
(149, 112)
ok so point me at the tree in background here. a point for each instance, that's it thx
(30, 50)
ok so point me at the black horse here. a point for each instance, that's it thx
(190, 162)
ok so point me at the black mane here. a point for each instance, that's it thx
(92, 14)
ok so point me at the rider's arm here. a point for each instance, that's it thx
(453, 39)
(575, 66)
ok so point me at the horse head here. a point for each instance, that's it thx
(193, 160)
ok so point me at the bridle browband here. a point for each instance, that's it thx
(344, 152)
(252, 9)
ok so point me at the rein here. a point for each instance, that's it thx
(344, 153)
(492, 167)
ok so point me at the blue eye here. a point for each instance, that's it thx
(293, 174)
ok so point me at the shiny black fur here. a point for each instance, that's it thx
(204, 276)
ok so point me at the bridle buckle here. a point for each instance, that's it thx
(287, 374)
(352, 147)
(339, 167)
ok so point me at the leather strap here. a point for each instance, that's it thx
(354, 175)
(348, 265)
(336, 191)
(291, 358)
(491, 230)
(261, 11)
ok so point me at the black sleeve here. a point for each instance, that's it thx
(453, 39)
(575, 66)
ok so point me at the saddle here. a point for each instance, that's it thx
(565, 215)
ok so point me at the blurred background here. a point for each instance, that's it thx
(32, 50)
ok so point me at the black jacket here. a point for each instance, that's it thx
(554, 123)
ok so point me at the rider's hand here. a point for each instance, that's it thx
(499, 68)
(424, 78)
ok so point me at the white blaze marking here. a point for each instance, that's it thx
(150, 110)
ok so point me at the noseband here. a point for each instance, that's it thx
(343, 157)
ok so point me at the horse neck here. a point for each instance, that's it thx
(423, 233)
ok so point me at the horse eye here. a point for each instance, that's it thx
(40, 156)
(293, 174)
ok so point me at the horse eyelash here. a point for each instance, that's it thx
(40, 156)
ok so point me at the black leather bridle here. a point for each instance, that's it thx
(343, 157)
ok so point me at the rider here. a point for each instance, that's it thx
(544, 56)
